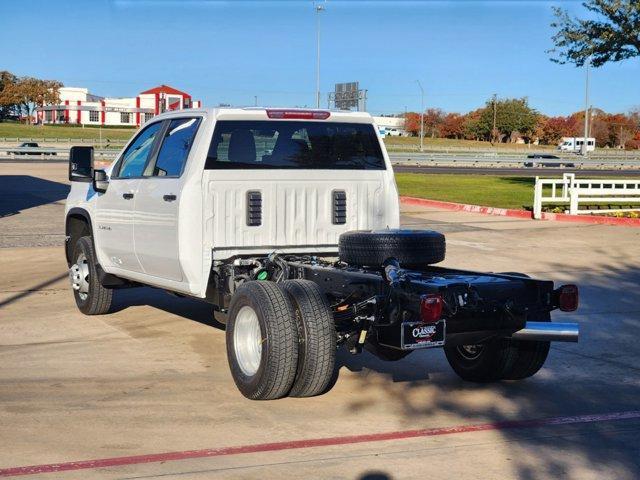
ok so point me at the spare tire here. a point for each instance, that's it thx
(412, 248)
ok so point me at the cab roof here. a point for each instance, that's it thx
(284, 113)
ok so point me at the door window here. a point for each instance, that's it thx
(175, 148)
(136, 155)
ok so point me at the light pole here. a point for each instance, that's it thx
(421, 115)
(319, 8)
(583, 150)
(495, 113)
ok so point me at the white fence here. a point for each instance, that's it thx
(576, 192)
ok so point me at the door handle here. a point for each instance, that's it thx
(169, 198)
(127, 196)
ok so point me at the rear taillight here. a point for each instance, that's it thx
(568, 298)
(298, 114)
(431, 307)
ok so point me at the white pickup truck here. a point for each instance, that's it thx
(287, 221)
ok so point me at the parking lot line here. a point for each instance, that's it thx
(317, 442)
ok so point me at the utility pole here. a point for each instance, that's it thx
(583, 150)
(421, 115)
(319, 8)
(493, 131)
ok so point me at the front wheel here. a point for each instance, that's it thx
(91, 297)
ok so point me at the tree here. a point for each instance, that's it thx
(472, 129)
(433, 118)
(612, 37)
(29, 93)
(7, 100)
(412, 123)
(622, 128)
(513, 116)
(552, 129)
(452, 126)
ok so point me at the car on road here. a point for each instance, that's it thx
(546, 156)
(287, 222)
(24, 149)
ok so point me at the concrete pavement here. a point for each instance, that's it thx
(152, 377)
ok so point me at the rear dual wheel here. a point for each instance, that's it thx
(499, 359)
(280, 340)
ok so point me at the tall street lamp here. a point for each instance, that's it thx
(421, 115)
(319, 8)
(583, 150)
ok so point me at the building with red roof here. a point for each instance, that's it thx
(78, 106)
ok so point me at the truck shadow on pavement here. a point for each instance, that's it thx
(21, 192)
(600, 375)
(189, 308)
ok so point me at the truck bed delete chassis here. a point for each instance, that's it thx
(408, 309)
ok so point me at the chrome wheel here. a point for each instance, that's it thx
(79, 276)
(470, 352)
(247, 341)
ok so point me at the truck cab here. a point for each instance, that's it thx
(198, 186)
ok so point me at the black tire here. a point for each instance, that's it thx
(489, 363)
(412, 248)
(317, 338)
(96, 299)
(529, 355)
(276, 370)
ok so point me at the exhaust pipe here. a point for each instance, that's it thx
(548, 332)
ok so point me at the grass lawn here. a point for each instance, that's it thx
(489, 190)
(414, 142)
(16, 130)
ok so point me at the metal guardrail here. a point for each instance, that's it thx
(603, 152)
(76, 141)
(60, 153)
(488, 160)
(575, 192)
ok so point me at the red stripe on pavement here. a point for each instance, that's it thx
(315, 442)
(509, 212)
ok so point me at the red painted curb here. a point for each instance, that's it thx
(315, 442)
(508, 212)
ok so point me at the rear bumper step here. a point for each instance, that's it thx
(549, 332)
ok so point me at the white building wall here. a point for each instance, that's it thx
(73, 94)
(77, 104)
(389, 122)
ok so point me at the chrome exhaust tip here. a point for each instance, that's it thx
(548, 332)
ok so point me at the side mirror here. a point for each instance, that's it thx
(80, 164)
(100, 181)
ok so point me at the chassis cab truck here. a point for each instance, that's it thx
(287, 221)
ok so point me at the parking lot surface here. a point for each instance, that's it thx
(145, 391)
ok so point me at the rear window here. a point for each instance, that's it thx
(294, 145)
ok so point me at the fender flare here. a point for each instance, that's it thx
(77, 212)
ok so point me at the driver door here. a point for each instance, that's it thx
(115, 207)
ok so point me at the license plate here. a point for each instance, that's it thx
(422, 335)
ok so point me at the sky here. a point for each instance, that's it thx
(231, 51)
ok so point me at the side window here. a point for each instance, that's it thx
(135, 157)
(175, 147)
